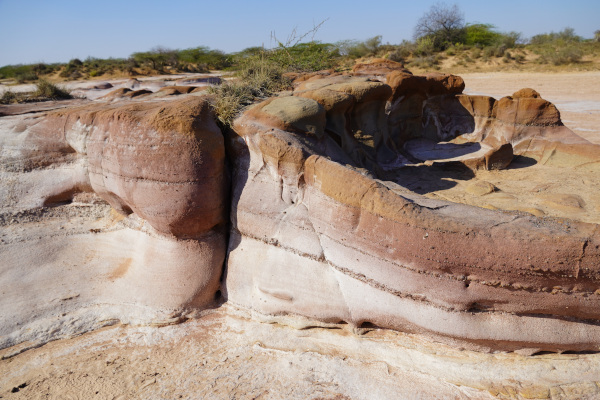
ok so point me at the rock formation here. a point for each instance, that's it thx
(324, 222)
(338, 244)
(161, 165)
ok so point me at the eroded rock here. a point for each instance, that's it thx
(337, 211)
(161, 165)
(338, 245)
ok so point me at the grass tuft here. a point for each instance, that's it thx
(257, 78)
(47, 90)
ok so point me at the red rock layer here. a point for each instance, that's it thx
(163, 161)
(338, 245)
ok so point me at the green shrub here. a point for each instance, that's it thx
(481, 35)
(402, 51)
(567, 35)
(75, 63)
(425, 47)
(310, 56)
(560, 56)
(25, 77)
(47, 90)
(8, 97)
(20, 72)
(354, 49)
(425, 62)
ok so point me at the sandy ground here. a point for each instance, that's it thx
(229, 354)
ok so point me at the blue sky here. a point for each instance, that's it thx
(59, 30)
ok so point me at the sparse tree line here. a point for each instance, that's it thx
(440, 33)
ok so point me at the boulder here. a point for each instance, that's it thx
(174, 90)
(295, 114)
(102, 86)
(124, 93)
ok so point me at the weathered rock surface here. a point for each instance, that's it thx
(352, 201)
(160, 263)
(231, 353)
(122, 93)
(531, 125)
(129, 151)
(338, 245)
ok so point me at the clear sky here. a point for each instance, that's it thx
(59, 30)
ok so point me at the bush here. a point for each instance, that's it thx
(559, 48)
(8, 97)
(560, 56)
(355, 49)
(494, 51)
(49, 90)
(21, 73)
(258, 77)
(481, 35)
(425, 62)
(425, 47)
(520, 58)
(310, 56)
(567, 35)
(76, 62)
(26, 76)
(402, 51)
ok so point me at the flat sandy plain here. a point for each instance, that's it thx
(229, 354)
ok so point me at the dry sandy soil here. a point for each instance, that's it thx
(228, 354)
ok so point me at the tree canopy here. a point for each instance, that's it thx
(444, 25)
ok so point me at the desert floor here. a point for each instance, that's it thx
(229, 354)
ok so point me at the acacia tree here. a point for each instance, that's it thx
(443, 25)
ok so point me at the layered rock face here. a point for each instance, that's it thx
(120, 209)
(161, 166)
(531, 125)
(336, 244)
